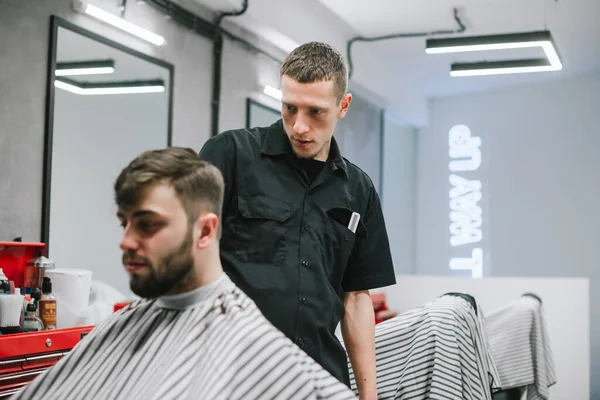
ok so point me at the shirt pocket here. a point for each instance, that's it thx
(339, 243)
(261, 229)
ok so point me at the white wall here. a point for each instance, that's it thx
(399, 186)
(358, 135)
(541, 184)
(244, 75)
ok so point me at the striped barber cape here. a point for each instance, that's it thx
(520, 345)
(212, 343)
(436, 351)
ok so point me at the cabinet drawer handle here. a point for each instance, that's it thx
(43, 356)
(8, 362)
(20, 375)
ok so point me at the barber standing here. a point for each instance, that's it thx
(303, 229)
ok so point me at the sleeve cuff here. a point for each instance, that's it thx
(373, 282)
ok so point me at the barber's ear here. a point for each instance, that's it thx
(206, 230)
(345, 104)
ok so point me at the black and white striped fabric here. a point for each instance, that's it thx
(212, 343)
(520, 345)
(436, 351)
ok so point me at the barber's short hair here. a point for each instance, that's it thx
(198, 184)
(314, 62)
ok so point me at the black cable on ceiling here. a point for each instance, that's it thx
(123, 7)
(461, 29)
(214, 32)
(201, 26)
(231, 14)
(183, 17)
(218, 66)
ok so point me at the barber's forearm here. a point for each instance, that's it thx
(358, 331)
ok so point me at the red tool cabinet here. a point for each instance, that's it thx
(382, 312)
(24, 356)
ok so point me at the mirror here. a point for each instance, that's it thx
(106, 105)
(258, 114)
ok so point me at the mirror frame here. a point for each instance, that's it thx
(251, 102)
(55, 23)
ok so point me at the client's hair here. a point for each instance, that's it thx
(199, 185)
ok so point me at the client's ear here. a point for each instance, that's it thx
(206, 230)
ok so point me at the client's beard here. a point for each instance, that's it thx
(171, 271)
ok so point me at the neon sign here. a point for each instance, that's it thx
(465, 197)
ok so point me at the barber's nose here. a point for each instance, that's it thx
(300, 127)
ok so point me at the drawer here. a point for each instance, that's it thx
(11, 366)
(18, 380)
(41, 361)
(20, 345)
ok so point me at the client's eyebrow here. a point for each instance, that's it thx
(136, 214)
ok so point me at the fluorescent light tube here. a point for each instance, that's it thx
(482, 47)
(273, 92)
(115, 90)
(501, 67)
(87, 89)
(499, 71)
(84, 71)
(93, 11)
(73, 68)
(541, 39)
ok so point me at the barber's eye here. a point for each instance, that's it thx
(290, 108)
(316, 111)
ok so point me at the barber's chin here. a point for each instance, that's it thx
(306, 154)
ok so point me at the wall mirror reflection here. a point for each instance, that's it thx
(106, 105)
(258, 114)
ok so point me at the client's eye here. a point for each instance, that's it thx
(146, 226)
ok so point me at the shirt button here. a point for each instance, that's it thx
(306, 227)
(305, 263)
(300, 341)
(304, 301)
(346, 238)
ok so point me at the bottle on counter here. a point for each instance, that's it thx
(31, 322)
(34, 272)
(47, 305)
(4, 282)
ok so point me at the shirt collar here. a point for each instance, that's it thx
(277, 143)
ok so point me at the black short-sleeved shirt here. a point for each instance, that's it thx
(286, 241)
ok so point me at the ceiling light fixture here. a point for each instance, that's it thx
(500, 67)
(103, 88)
(541, 39)
(85, 68)
(273, 92)
(104, 16)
